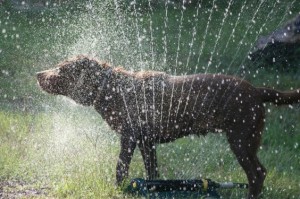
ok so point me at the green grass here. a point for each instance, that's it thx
(53, 150)
(47, 141)
(61, 151)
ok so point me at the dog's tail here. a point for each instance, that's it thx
(278, 97)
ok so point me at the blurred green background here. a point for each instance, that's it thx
(52, 148)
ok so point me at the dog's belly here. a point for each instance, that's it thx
(170, 130)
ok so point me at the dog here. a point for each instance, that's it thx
(150, 107)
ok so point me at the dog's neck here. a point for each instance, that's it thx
(105, 76)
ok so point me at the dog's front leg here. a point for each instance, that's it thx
(148, 152)
(127, 148)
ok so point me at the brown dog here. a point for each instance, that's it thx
(148, 108)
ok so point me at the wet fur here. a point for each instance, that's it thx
(149, 107)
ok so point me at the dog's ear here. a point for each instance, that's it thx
(83, 62)
(87, 63)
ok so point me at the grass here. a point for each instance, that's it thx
(71, 163)
(48, 143)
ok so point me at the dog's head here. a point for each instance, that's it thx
(77, 78)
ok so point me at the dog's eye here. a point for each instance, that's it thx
(57, 69)
(64, 70)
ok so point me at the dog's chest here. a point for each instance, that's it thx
(111, 109)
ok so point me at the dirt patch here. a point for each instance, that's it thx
(18, 189)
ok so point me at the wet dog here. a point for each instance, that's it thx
(149, 107)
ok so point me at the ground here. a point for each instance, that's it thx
(19, 189)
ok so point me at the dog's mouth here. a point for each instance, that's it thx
(50, 81)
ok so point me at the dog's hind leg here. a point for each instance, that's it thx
(255, 171)
(245, 149)
(148, 152)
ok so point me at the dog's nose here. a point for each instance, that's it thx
(54, 71)
(39, 75)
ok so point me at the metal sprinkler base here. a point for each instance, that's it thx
(204, 188)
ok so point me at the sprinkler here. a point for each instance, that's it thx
(204, 188)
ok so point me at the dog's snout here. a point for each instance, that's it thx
(50, 81)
